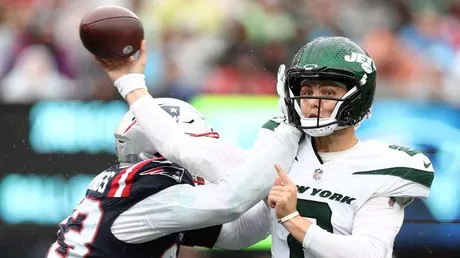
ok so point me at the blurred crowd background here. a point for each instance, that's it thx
(230, 46)
(217, 47)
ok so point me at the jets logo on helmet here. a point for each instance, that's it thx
(342, 62)
(367, 64)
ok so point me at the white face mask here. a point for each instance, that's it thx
(320, 131)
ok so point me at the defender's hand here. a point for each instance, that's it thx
(283, 196)
(118, 68)
(280, 89)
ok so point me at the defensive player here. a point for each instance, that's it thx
(351, 193)
(141, 210)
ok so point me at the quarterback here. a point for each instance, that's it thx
(343, 197)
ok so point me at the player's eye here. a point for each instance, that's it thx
(328, 92)
(306, 92)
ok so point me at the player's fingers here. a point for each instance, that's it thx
(100, 62)
(283, 200)
(272, 201)
(278, 181)
(281, 71)
(277, 193)
(282, 175)
(143, 53)
(109, 64)
(275, 200)
(279, 188)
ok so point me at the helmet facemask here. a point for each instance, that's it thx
(342, 115)
(338, 60)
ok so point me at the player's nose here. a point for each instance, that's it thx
(314, 103)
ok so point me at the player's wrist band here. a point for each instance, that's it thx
(127, 83)
(288, 217)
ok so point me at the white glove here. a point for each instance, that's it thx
(281, 91)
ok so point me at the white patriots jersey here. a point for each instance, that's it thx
(330, 194)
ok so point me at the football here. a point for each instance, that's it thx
(111, 32)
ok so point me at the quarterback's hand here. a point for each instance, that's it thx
(118, 68)
(280, 83)
(283, 196)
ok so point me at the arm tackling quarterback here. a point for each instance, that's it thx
(199, 155)
(249, 229)
(226, 199)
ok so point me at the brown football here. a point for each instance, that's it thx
(111, 32)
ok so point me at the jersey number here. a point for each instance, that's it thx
(81, 229)
(317, 212)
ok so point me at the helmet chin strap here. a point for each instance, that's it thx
(322, 131)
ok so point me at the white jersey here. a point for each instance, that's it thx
(158, 214)
(332, 193)
(230, 169)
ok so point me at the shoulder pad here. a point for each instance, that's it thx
(412, 166)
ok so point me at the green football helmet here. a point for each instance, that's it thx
(339, 60)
